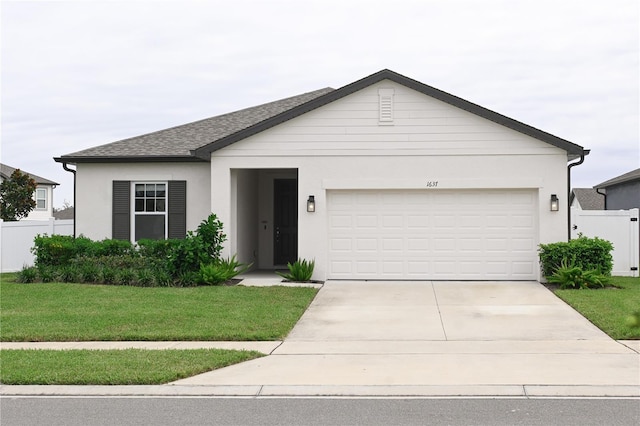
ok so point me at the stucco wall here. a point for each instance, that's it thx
(317, 175)
(344, 146)
(94, 191)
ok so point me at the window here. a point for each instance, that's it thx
(150, 210)
(41, 198)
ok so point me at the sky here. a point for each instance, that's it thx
(78, 74)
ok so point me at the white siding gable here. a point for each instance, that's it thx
(421, 125)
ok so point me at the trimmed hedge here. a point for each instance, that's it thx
(61, 249)
(585, 253)
(190, 261)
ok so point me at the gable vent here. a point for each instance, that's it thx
(385, 97)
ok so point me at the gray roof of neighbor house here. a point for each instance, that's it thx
(7, 171)
(588, 198)
(196, 141)
(627, 177)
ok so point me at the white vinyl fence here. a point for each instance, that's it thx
(16, 240)
(620, 227)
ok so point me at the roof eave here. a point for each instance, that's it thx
(129, 159)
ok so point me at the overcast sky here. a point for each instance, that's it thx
(78, 74)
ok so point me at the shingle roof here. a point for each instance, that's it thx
(196, 141)
(632, 175)
(7, 171)
(178, 142)
(588, 198)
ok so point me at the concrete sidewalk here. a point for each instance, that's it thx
(414, 339)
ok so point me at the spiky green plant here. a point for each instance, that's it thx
(300, 270)
(570, 276)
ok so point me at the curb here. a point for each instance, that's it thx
(266, 391)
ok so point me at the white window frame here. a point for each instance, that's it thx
(135, 213)
(43, 198)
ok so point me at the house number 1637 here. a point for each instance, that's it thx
(432, 184)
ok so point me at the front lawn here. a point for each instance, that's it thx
(83, 312)
(112, 367)
(608, 308)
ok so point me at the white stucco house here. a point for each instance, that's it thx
(43, 194)
(385, 178)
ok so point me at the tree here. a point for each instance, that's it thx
(16, 196)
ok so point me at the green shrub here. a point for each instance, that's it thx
(109, 275)
(60, 249)
(300, 270)
(69, 273)
(145, 278)
(585, 253)
(163, 279)
(90, 272)
(112, 248)
(570, 276)
(53, 250)
(47, 274)
(28, 274)
(187, 255)
(210, 232)
(221, 271)
(125, 277)
(187, 279)
(152, 262)
(158, 249)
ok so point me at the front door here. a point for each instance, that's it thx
(285, 239)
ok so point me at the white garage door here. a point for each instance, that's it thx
(433, 234)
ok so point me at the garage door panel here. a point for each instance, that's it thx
(393, 245)
(417, 222)
(427, 234)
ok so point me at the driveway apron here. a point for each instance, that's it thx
(444, 338)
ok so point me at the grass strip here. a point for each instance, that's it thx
(112, 367)
(84, 312)
(608, 308)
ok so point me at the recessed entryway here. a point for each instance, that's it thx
(264, 217)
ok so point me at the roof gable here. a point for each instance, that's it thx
(572, 149)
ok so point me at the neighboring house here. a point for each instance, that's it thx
(586, 199)
(43, 194)
(622, 192)
(64, 214)
(385, 178)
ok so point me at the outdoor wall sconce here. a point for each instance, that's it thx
(555, 203)
(311, 204)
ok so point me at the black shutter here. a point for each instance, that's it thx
(121, 216)
(177, 209)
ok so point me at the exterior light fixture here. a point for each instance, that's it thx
(311, 204)
(555, 203)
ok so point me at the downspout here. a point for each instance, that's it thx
(604, 194)
(75, 200)
(583, 154)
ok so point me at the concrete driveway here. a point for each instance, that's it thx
(437, 338)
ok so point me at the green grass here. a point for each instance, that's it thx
(608, 308)
(82, 312)
(112, 367)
